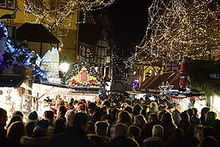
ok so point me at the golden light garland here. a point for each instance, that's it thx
(54, 12)
(178, 29)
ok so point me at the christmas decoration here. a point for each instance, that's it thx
(50, 64)
(135, 84)
(12, 57)
(83, 78)
(179, 28)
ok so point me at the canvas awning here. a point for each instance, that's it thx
(11, 80)
(35, 33)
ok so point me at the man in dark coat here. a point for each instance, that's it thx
(75, 136)
(3, 120)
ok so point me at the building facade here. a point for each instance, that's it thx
(13, 13)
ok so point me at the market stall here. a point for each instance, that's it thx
(48, 95)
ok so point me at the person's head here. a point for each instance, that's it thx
(153, 118)
(62, 111)
(128, 108)
(160, 115)
(3, 117)
(49, 115)
(134, 131)
(106, 104)
(190, 112)
(81, 121)
(60, 125)
(29, 128)
(83, 101)
(18, 113)
(91, 108)
(124, 117)
(139, 120)
(211, 116)
(137, 109)
(81, 107)
(204, 112)
(158, 131)
(71, 104)
(119, 130)
(178, 107)
(70, 116)
(14, 118)
(33, 116)
(185, 116)
(101, 128)
(128, 101)
(15, 131)
(195, 111)
(154, 108)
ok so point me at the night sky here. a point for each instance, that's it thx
(128, 20)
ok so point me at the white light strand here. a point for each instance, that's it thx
(54, 13)
(178, 28)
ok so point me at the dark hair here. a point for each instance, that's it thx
(3, 112)
(124, 117)
(62, 111)
(15, 131)
(82, 106)
(80, 119)
(134, 131)
(106, 103)
(49, 115)
(190, 112)
(3, 117)
(204, 111)
(153, 118)
(92, 106)
(195, 111)
(167, 119)
(101, 128)
(18, 113)
(137, 109)
(128, 108)
(33, 116)
(211, 116)
(43, 124)
(185, 116)
(14, 118)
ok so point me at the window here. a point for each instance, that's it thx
(3, 3)
(11, 4)
(8, 4)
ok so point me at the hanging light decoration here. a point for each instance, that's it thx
(178, 29)
(54, 12)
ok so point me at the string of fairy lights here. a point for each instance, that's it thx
(178, 29)
(55, 12)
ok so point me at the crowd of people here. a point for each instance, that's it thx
(125, 123)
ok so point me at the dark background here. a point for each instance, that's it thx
(126, 25)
